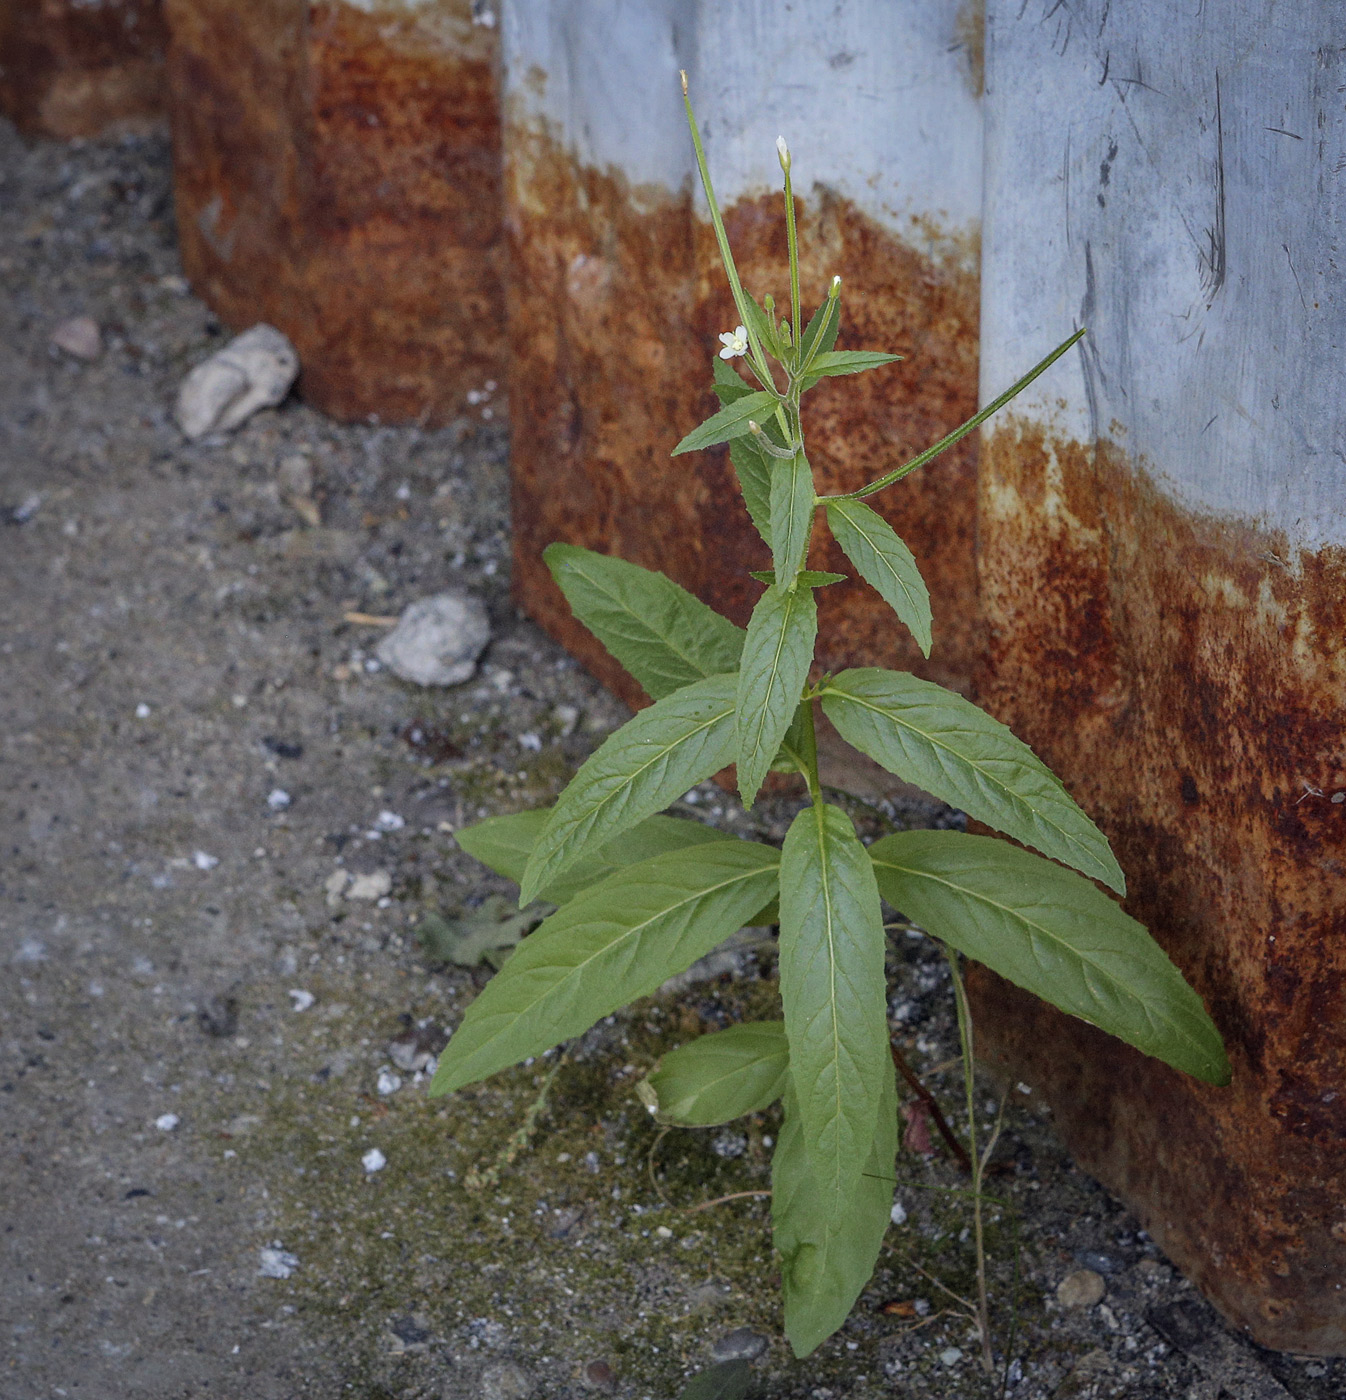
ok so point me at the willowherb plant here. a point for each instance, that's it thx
(641, 896)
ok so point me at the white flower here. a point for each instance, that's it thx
(783, 152)
(735, 343)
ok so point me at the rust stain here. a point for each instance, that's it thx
(1186, 677)
(615, 302)
(338, 174)
(82, 69)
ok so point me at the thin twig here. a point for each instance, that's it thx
(936, 1113)
(649, 1165)
(720, 1200)
(368, 619)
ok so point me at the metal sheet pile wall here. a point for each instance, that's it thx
(1162, 528)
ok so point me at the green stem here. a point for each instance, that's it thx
(978, 1161)
(796, 329)
(809, 766)
(722, 238)
(959, 433)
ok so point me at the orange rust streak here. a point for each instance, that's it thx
(69, 69)
(1184, 676)
(615, 301)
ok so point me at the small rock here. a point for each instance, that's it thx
(598, 1375)
(278, 799)
(254, 371)
(1081, 1289)
(22, 513)
(388, 1082)
(504, 1380)
(166, 1122)
(373, 1161)
(729, 1144)
(389, 821)
(417, 1050)
(302, 1000)
(334, 884)
(951, 1356)
(742, 1344)
(372, 886)
(202, 861)
(437, 640)
(79, 336)
(276, 1262)
(408, 1334)
(898, 1214)
(143, 711)
(1097, 1261)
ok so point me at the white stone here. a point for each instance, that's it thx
(166, 1122)
(898, 1214)
(203, 861)
(254, 371)
(302, 1000)
(388, 1082)
(371, 887)
(437, 640)
(278, 799)
(275, 1262)
(80, 337)
(373, 1161)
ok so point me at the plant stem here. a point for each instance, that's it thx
(959, 433)
(936, 1113)
(978, 1162)
(809, 767)
(796, 330)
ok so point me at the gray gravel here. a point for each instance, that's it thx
(211, 991)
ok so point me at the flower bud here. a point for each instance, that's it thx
(835, 289)
(783, 154)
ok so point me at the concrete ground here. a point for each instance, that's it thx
(204, 1036)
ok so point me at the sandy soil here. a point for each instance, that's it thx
(196, 1019)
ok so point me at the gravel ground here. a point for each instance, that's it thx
(207, 1044)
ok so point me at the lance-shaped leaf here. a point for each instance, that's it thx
(650, 761)
(610, 945)
(825, 323)
(775, 665)
(1054, 934)
(848, 362)
(884, 562)
(946, 745)
(792, 505)
(832, 989)
(753, 469)
(730, 422)
(662, 634)
(729, 384)
(726, 1380)
(505, 843)
(826, 1263)
(720, 1076)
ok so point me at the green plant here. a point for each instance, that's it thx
(641, 896)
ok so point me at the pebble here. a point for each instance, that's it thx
(276, 1262)
(951, 1356)
(278, 799)
(504, 1380)
(143, 711)
(741, 1344)
(373, 1161)
(334, 884)
(166, 1122)
(80, 337)
(372, 886)
(202, 861)
(729, 1144)
(388, 1082)
(1081, 1289)
(389, 821)
(898, 1214)
(302, 1000)
(437, 640)
(599, 1376)
(254, 371)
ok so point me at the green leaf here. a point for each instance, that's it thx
(505, 843)
(884, 562)
(775, 665)
(721, 1076)
(730, 422)
(648, 763)
(761, 323)
(472, 937)
(610, 945)
(664, 636)
(825, 321)
(848, 362)
(832, 988)
(792, 505)
(729, 386)
(806, 578)
(946, 745)
(826, 1263)
(1054, 934)
(753, 469)
(726, 1380)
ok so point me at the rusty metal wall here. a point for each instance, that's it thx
(616, 295)
(81, 67)
(1163, 555)
(337, 173)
